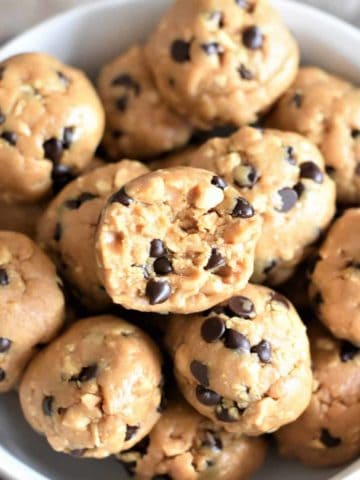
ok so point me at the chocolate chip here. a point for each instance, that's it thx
(288, 199)
(212, 441)
(131, 430)
(63, 78)
(243, 209)
(157, 291)
(245, 73)
(235, 340)
(212, 48)
(2, 118)
(116, 134)
(157, 248)
(219, 182)
(212, 329)
(253, 38)
(270, 266)
(4, 278)
(68, 137)
(328, 440)
(330, 170)
(47, 405)
(9, 137)
(290, 155)
(162, 266)
(180, 51)
(122, 103)
(242, 307)
(224, 415)
(348, 351)
(318, 299)
(312, 171)
(127, 81)
(75, 203)
(86, 374)
(5, 344)
(263, 350)
(53, 149)
(215, 261)
(78, 452)
(58, 232)
(207, 397)
(121, 197)
(245, 176)
(355, 133)
(299, 189)
(2, 375)
(297, 100)
(61, 175)
(277, 297)
(200, 372)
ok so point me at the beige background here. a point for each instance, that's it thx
(17, 15)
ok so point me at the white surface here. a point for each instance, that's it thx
(87, 38)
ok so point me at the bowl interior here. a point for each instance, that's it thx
(88, 37)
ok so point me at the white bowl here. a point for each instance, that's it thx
(87, 37)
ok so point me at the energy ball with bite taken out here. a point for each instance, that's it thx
(176, 240)
(67, 228)
(184, 445)
(222, 63)
(245, 363)
(51, 121)
(32, 304)
(96, 390)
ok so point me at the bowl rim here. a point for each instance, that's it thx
(11, 467)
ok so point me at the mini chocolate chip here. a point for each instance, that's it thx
(131, 430)
(263, 350)
(355, 133)
(122, 103)
(212, 48)
(245, 176)
(53, 149)
(290, 155)
(116, 134)
(277, 297)
(68, 137)
(212, 441)
(245, 73)
(348, 351)
(5, 343)
(4, 278)
(86, 374)
(219, 182)
(242, 307)
(61, 175)
(78, 452)
(235, 340)
(2, 375)
(171, 82)
(299, 189)
(75, 203)
(207, 397)
(297, 99)
(224, 415)
(121, 197)
(215, 261)
(9, 137)
(127, 81)
(212, 329)
(312, 171)
(253, 38)
(180, 51)
(288, 199)
(47, 405)
(243, 209)
(270, 266)
(157, 248)
(157, 291)
(162, 266)
(200, 372)
(318, 299)
(58, 232)
(330, 170)
(328, 440)
(2, 118)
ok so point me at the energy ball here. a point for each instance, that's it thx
(96, 390)
(32, 305)
(51, 122)
(176, 240)
(328, 433)
(67, 228)
(221, 63)
(335, 281)
(326, 109)
(139, 122)
(282, 175)
(184, 445)
(245, 364)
